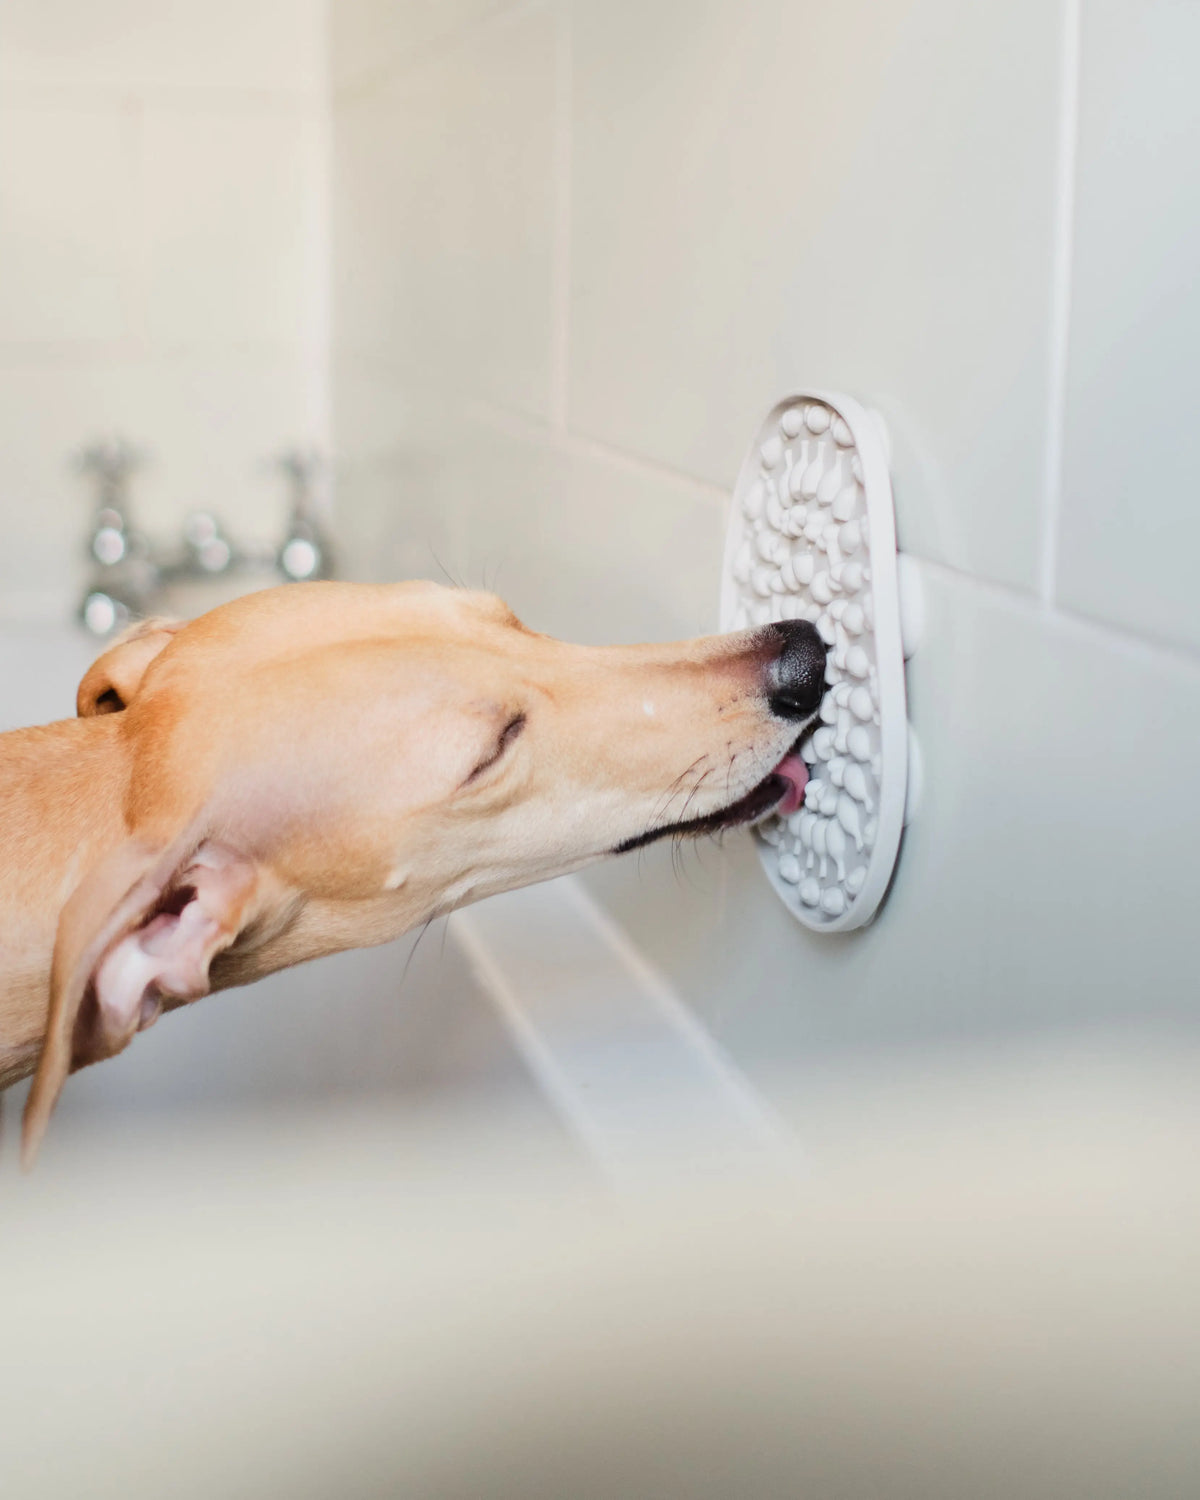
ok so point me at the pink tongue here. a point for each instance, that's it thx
(795, 773)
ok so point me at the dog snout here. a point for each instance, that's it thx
(796, 676)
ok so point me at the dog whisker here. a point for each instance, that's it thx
(691, 797)
(453, 581)
(412, 952)
(660, 812)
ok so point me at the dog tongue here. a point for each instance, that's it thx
(795, 773)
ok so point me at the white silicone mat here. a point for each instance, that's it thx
(812, 536)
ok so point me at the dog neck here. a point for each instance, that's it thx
(62, 789)
(62, 794)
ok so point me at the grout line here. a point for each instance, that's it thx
(184, 98)
(1113, 637)
(560, 273)
(634, 463)
(539, 1057)
(745, 1099)
(51, 355)
(634, 1075)
(530, 429)
(533, 429)
(1060, 296)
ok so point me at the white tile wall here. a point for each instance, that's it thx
(857, 196)
(696, 204)
(163, 244)
(444, 215)
(497, 502)
(231, 199)
(589, 547)
(276, 45)
(68, 223)
(551, 525)
(400, 512)
(1130, 527)
(1046, 884)
(371, 37)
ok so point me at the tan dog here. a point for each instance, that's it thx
(325, 766)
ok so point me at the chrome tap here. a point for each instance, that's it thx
(207, 550)
(123, 574)
(306, 551)
(129, 577)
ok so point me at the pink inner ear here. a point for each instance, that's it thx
(170, 953)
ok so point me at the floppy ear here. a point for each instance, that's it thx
(144, 925)
(112, 679)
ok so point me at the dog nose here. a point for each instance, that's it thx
(796, 677)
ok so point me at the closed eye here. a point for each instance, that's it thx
(511, 730)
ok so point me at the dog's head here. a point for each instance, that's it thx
(348, 760)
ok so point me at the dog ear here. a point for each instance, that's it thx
(112, 679)
(143, 925)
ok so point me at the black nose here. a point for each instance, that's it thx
(796, 677)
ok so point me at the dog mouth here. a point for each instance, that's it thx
(781, 791)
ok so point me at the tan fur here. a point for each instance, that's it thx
(307, 759)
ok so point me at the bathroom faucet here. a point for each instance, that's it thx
(306, 551)
(124, 573)
(129, 575)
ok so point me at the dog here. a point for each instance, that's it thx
(325, 766)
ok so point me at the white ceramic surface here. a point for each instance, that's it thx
(266, 45)
(163, 238)
(770, 197)
(444, 215)
(1130, 526)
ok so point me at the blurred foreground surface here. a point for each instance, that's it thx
(970, 1280)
